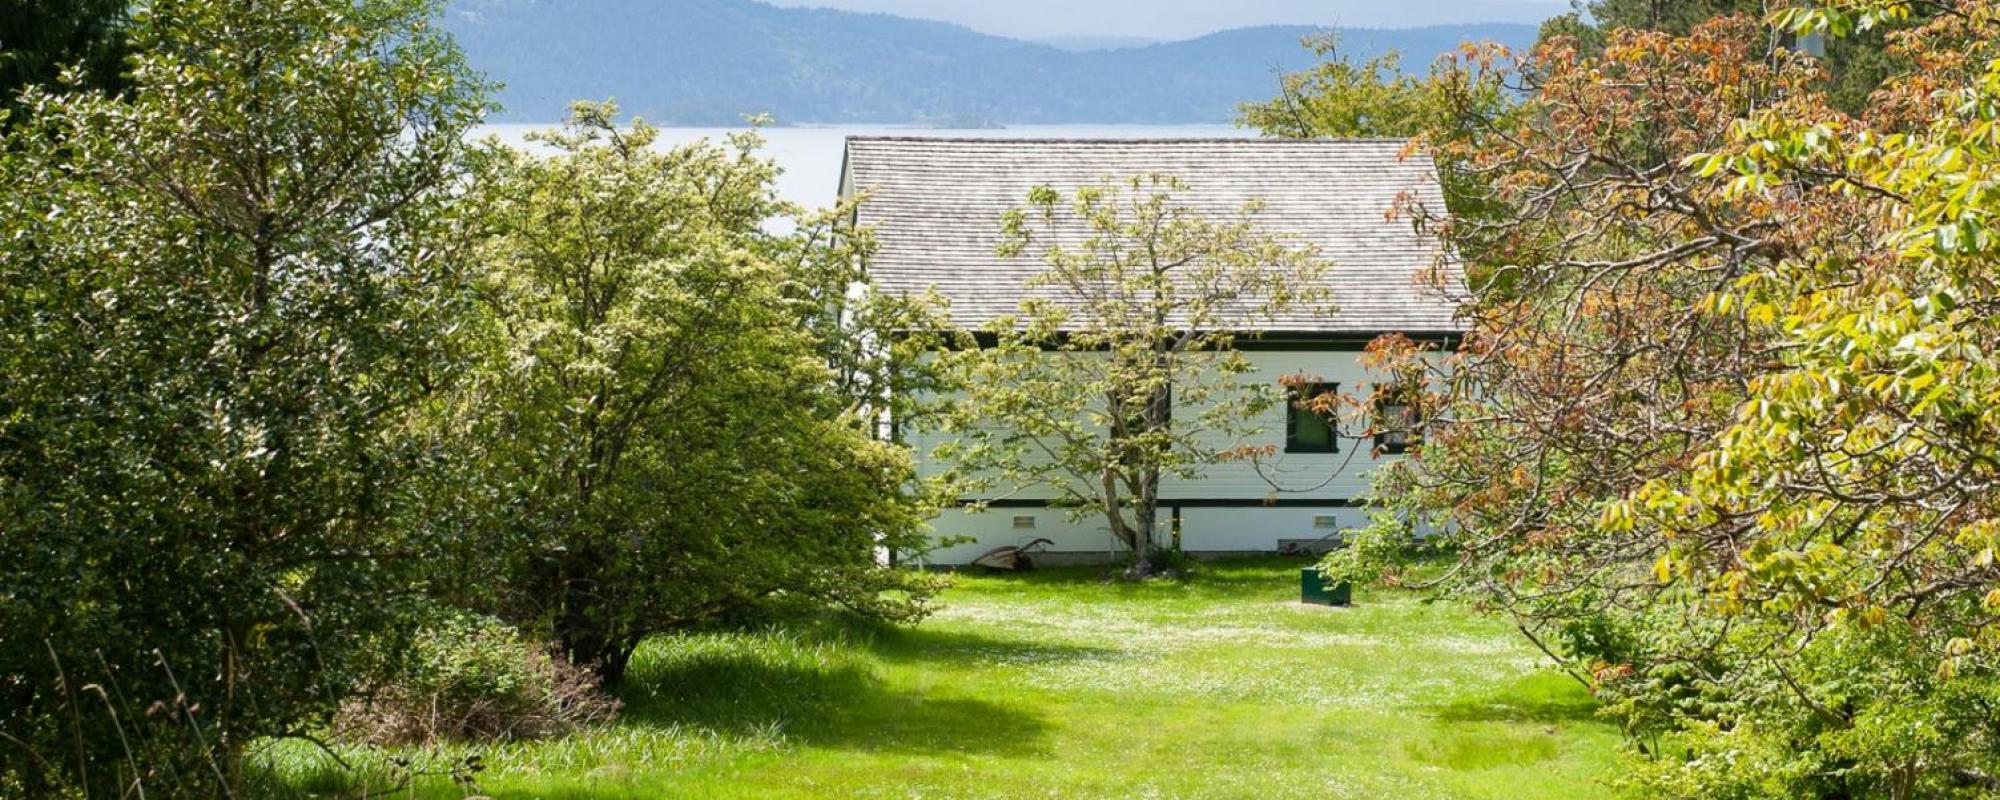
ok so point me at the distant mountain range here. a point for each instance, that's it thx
(1082, 44)
(710, 62)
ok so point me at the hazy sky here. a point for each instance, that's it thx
(1180, 19)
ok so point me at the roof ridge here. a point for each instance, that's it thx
(1113, 140)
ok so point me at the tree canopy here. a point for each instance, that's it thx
(660, 422)
(40, 40)
(1855, 62)
(1718, 439)
(222, 297)
(290, 373)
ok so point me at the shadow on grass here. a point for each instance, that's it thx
(1231, 576)
(919, 643)
(963, 650)
(1546, 698)
(820, 693)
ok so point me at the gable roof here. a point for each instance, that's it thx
(936, 204)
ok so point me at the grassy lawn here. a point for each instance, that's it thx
(1055, 685)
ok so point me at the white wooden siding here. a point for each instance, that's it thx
(1250, 529)
(1224, 509)
(1301, 476)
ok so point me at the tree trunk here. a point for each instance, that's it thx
(1157, 416)
(605, 655)
(611, 667)
(1142, 540)
(1136, 537)
(587, 635)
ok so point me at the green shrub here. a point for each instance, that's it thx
(475, 677)
(1171, 561)
(714, 457)
(224, 304)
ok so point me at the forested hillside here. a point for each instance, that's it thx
(695, 62)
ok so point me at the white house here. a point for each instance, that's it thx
(935, 205)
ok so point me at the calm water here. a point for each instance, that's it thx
(811, 156)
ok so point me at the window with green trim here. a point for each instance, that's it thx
(1310, 425)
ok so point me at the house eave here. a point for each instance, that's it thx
(1294, 340)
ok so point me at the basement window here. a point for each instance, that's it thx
(1307, 429)
(1024, 522)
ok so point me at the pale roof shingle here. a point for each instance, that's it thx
(936, 205)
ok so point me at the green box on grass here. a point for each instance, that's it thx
(1314, 590)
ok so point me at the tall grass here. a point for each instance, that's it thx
(1053, 684)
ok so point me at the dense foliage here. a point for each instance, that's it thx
(284, 363)
(663, 436)
(1854, 63)
(1719, 439)
(471, 677)
(41, 39)
(1119, 368)
(1339, 98)
(221, 299)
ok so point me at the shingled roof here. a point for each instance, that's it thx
(936, 204)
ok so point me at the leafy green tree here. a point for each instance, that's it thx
(39, 39)
(1340, 99)
(1461, 100)
(1849, 503)
(223, 295)
(1671, 16)
(1121, 370)
(1723, 444)
(662, 414)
